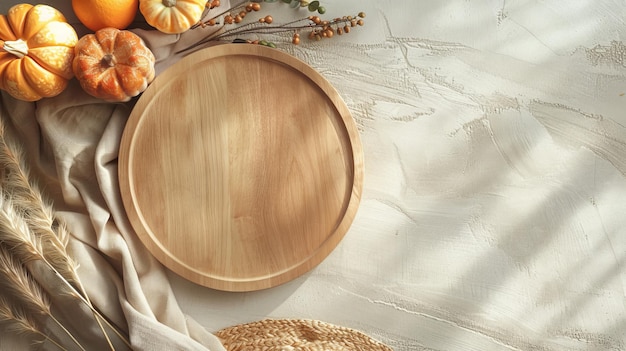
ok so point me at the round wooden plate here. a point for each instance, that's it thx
(240, 167)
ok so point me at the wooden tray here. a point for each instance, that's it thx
(240, 167)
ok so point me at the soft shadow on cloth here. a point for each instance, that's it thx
(72, 143)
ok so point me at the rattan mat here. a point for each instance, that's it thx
(296, 334)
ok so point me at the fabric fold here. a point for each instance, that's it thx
(73, 141)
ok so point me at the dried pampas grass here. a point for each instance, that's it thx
(17, 283)
(26, 306)
(33, 257)
(28, 198)
(16, 320)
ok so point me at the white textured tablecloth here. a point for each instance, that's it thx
(493, 212)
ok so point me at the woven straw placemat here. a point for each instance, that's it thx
(296, 334)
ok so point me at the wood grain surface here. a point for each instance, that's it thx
(240, 167)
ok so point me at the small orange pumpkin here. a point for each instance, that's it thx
(37, 48)
(172, 16)
(113, 64)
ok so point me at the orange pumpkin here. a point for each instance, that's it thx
(37, 51)
(172, 16)
(113, 64)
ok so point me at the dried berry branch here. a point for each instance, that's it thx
(237, 26)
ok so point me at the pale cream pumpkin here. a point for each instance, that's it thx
(113, 64)
(172, 16)
(37, 49)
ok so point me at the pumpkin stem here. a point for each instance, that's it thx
(17, 47)
(169, 3)
(108, 60)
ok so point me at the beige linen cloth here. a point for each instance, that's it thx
(72, 143)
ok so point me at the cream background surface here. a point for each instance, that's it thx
(493, 213)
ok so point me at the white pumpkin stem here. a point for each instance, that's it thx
(169, 3)
(17, 47)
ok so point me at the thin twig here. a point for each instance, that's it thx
(232, 8)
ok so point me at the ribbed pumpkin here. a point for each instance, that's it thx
(113, 65)
(172, 16)
(37, 52)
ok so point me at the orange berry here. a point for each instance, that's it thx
(98, 14)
